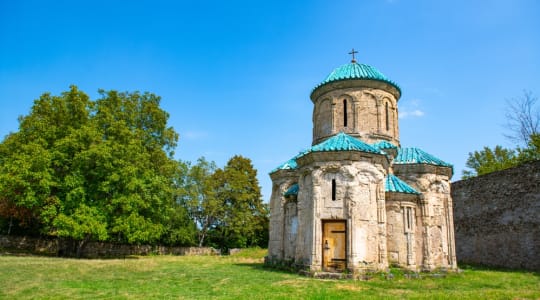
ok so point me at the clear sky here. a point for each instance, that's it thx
(236, 76)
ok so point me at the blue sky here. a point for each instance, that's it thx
(236, 76)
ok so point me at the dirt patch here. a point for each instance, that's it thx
(350, 287)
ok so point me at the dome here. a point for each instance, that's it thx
(353, 71)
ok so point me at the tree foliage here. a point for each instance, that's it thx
(226, 204)
(199, 197)
(489, 160)
(86, 169)
(245, 217)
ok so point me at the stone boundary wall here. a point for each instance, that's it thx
(497, 218)
(58, 247)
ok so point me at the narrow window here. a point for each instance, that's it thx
(333, 190)
(408, 219)
(344, 112)
(387, 118)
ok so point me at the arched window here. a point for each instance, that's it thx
(333, 190)
(387, 117)
(344, 112)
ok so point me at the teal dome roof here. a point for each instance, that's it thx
(418, 156)
(344, 142)
(393, 184)
(355, 70)
(338, 142)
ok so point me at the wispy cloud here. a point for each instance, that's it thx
(412, 110)
(414, 113)
(194, 135)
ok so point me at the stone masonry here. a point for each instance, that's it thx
(356, 201)
(497, 218)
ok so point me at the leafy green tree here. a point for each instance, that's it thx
(489, 160)
(87, 170)
(197, 195)
(84, 224)
(33, 166)
(244, 216)
(181, 230)
(532, 151)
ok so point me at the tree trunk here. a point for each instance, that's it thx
(202, 236)
(81, 245)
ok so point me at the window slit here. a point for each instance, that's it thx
(387, 118)
(344, 112)
(333, 190)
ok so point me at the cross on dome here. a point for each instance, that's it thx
(353, 53)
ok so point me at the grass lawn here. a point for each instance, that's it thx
(235, 277)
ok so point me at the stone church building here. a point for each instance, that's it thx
(356, 200)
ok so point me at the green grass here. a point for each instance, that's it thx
(241, 276)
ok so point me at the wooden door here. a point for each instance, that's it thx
(334, 246)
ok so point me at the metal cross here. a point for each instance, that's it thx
(353, 52)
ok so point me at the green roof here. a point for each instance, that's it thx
(292, 191)
(355, 70)
(339, 142)
(343, 142)
(384, 145)
(288, 165)
(395, 185)
(418, 156)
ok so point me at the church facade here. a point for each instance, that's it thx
(356, 200)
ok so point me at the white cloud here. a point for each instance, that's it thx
(194, 135)
(411, 110)
(413, 113)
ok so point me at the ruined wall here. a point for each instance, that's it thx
(497, 218)
(58, 247)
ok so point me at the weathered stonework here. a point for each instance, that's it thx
(366, 113)
(334, 208)
(58, 247)
(497, 218)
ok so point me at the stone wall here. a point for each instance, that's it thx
(57, 247)
(497, 218)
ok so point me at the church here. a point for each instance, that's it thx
(356, 201)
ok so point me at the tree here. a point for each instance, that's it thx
(32, 164)
(245, 217)
(198, 196)
(532, 151)
(488, 160)
(523, 118)
(84, 224)
(84, 169)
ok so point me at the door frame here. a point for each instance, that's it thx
(323, 223)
